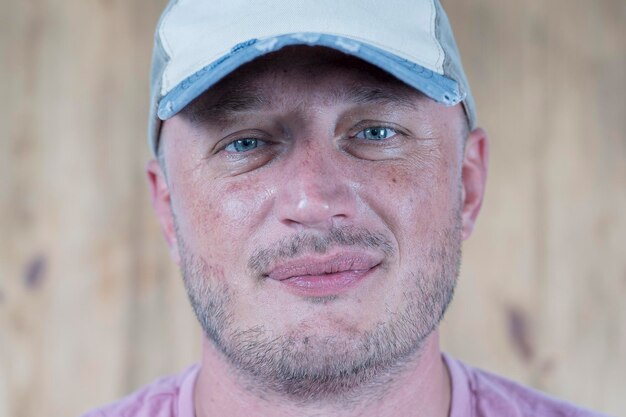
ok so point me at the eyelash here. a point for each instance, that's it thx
(377, 128)
(361, 130)
(253, 135)
(234, 142)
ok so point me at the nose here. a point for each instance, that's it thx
(316, 192)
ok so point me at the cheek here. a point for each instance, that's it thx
(216, 218)
(416, 199)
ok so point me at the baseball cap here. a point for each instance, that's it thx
(199, 42)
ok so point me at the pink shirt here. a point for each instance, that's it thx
(475, 393)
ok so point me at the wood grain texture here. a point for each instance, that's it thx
(544, 275)
(91, 307)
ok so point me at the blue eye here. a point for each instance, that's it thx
(242, 145)
(376, 133)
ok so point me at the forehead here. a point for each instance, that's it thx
(281, 78)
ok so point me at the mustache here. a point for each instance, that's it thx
(307, 242)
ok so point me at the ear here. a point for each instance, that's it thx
(161, 204)
(474, 175)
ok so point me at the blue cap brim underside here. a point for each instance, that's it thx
(436, 86)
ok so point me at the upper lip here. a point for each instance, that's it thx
(316, 265)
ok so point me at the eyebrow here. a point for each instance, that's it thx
(364, 94)
(246, 99)
(237, 100)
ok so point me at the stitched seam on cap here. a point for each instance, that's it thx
(166, 46)
(433, 34)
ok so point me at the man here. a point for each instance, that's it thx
(317, 168)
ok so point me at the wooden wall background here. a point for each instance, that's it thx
(91, 308)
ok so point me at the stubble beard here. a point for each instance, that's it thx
(306, 367)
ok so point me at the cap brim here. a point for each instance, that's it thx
(434, 85)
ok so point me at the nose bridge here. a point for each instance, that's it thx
(316, 191)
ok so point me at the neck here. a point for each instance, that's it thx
(421, 388)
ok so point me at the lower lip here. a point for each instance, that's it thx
(327, 284)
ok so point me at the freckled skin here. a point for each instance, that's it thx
(314, 175)
(403, 196)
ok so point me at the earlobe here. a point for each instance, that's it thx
(474, 176)
(161, 204)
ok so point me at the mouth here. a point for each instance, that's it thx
(324, 276)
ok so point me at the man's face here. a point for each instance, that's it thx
(316, 207)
